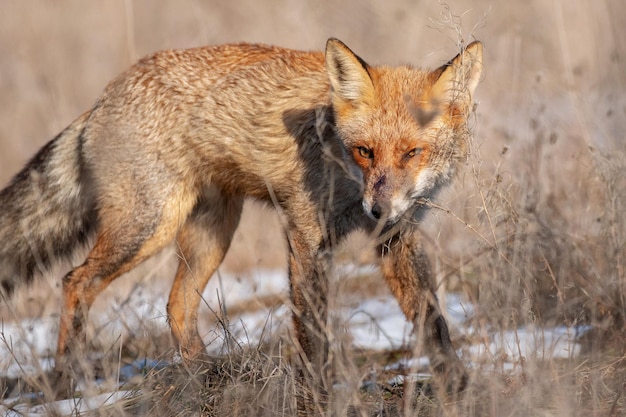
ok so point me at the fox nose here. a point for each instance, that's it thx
(377, 211)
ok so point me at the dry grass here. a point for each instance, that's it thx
(533, 232)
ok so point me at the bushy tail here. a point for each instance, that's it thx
(47, 210)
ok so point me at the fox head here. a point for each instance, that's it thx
(405, 128)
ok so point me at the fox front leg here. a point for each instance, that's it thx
(407, 272)
(309, 296)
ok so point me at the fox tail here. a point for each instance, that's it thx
(47, 210)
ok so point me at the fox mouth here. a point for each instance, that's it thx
(386, 218)
(382, 216)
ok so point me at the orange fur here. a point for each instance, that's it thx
(177, 142)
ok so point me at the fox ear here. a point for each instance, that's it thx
(349, 77)
(459, 77)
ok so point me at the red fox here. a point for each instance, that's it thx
(175, 144)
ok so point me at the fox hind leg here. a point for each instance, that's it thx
(125, 238)
(202, 244)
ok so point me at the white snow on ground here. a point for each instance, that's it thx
(69, 407)
(378, 324)
(374, 323)
(511, 347)
(26, 347)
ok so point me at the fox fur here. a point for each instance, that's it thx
(175, 144)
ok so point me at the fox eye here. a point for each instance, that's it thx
(413, 152)
(366, 153)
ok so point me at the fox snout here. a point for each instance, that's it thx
(375, 211)
(384, 200)
(376, 208)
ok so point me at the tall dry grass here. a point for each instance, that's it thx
(533, 233)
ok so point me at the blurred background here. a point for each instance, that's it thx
(546, 171)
